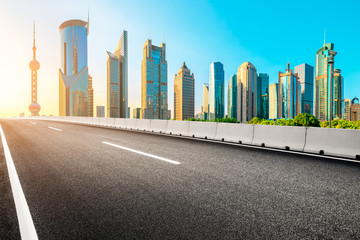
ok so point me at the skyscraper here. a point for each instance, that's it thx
(136, 113)
(246, 92)
(355, 109)
(232, 97)
(324, 73)
(216, 91)
(338, 94)
(205, 107)
(90, 93)
(347, 106)
(184, 94)
(100, 111)
(73, 72)
(289, 94)
(305, 74)
(154, 103)
(273, 100)
(117, 80)
(34, 65)
(263, 95)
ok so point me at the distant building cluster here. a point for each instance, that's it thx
(249, 94)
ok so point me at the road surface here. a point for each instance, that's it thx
(83, 182)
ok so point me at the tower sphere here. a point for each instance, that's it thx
(34, 65)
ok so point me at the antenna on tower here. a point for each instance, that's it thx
(87, 29)
(324, 35)
(163, 37)
(149, 33)
(34, 48)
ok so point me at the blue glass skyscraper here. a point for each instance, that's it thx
(263, 95)
(216, 91)
(232, 97)
(305, 73)
(73, 72)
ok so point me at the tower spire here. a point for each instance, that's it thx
(34, 47)
(88, 23)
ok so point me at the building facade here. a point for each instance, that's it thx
(324, 74)
(136, 113)
(117, 80)
(232, 97)
(289, 104)
(73, 72)
(305, 74)
(154, 102)
(347, 106)
(216, 91)
(355, 109)
(263, 96)
(273, 100)
(338, 94)
(184, 94)
(90, 92)
(246, 92)
(100, 111)
(205, 107)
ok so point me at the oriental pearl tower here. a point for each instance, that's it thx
(34, 65)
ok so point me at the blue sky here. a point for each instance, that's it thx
(265, 33)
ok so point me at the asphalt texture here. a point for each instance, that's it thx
(79, 188)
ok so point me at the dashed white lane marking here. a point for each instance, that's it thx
(56, 129)
(33, 123)
(142, 153)
(26, 224)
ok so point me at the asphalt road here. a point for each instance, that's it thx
(78, 187)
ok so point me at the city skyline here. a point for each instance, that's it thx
(199, 59)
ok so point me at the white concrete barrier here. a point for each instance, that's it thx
(142, 124)
(333, 142)
(235, 132)
(158, 125)
(283, 137)
(178, 128)
(130, 123)
(202, 129)
(119, 123)
(110, 122)
(102, 122)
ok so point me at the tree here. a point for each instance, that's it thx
(255, 120)
(306, 120)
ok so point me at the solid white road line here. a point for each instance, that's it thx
(142, 153)
(56, 129)
(26, 224)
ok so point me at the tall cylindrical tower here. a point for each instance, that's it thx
(34, 65)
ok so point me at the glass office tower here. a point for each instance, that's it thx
(289, 94)
(305, 74)
(184, 94)
(273, 100)
(324, 73)
(73, 72)
(338, 94)
(247, 92)
(117, 80)
(154, 103)
(263, 96)
(205, 107)
(346, 111)
(232, 97)
(216, 91)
